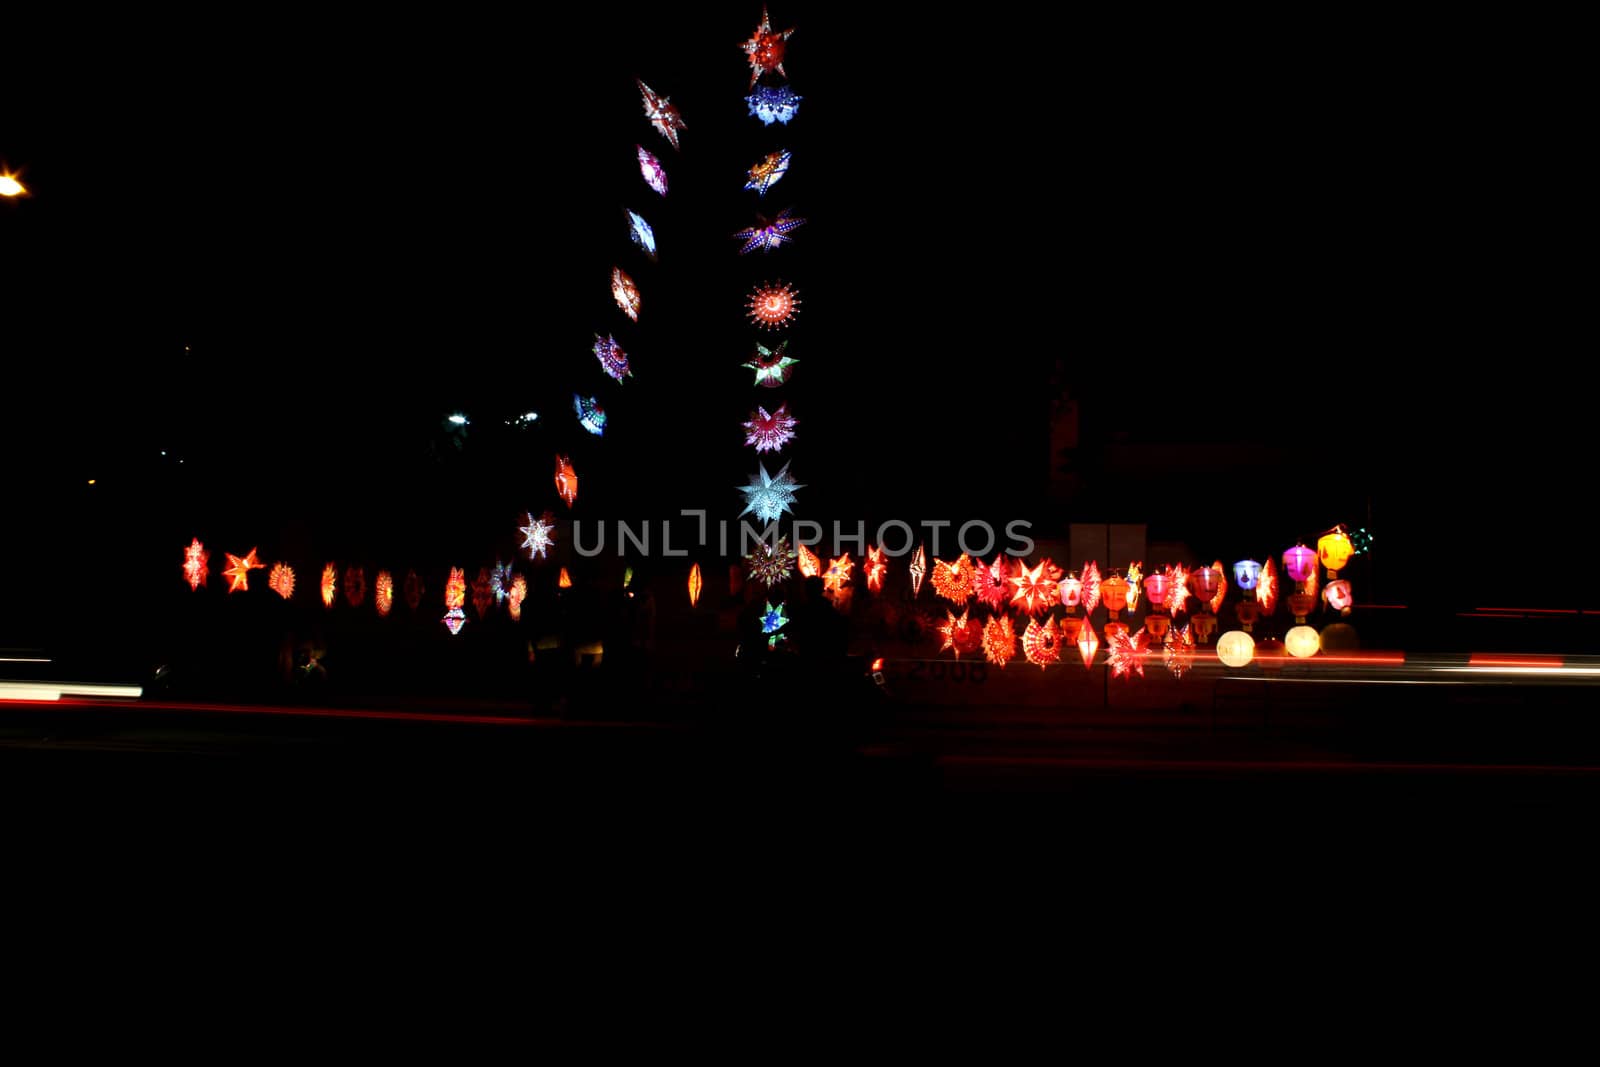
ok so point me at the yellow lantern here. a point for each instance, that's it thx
(694, 585)
(1334, 550)
(1302, 641)
(1236, 648)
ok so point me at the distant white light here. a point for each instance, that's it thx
(530, 416)
(459, 420)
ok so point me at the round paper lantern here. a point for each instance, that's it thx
(1302, 641)
(1236, 648)
(1340, 637)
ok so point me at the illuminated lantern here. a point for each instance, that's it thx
(1246, 573)
(538, 535)
(1178, 591)
(1157, 588)
(773, 103)
(1071, 588)
(565, 579)
(566, 480)
(769, 496)
(1034, 592)
(355, 585)
(771, 563)
(238, 570)
(643, 237)
(514, 599)
(1042, 644)
(625, 293)
(876, 568)
(768, 234)
(613, 360)
(694, 585)
(1115, 592)
(591, 416)
(651, 170)
(455, 597)
(953, 581)
(1299, 563)
(769, 432)
(1302, 641)
(991, 583)
(627, 577)
(836, 578)
(773, 305)
(1267, 588)
(1204, 583)
(662, 112)
(810, 565)
(919, 567)
(1334, 550)
(771, 365)
(1222, 587)
(999, 639)
(383, 592)
(1088, 642)
(1091, 586)
(765, 49)
(281, 580)
(767, 173)
(1236, 648)
(413, 590)
(329, 581)
(1133, 577)
(195, 558)
(1338, 596)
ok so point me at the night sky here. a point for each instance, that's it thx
(359, 227)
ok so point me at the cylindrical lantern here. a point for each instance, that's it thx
(1245, 573)
(1204, 626)
(1334, 550)
(1339, 597)
(1236, 648)
(1204, 583)
(1247, 612)
(1071, 589)
(1298, 563)
(1302, 641)
(1114, 592)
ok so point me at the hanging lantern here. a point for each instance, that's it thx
(1042, 644)
(1334, 550)
(810, 564)
(1133, 578)
(1299, 563)
(1222, 587)
(1204, 583)
(281, 580)
(1267, 588)
(1157, 588)
(1071, 588)
(1338, 596)
(564, 581)
(455, 598)
(1114, 592)
(1088, 642)
(1302, 642)
(919, 567)
(1236, 648)
(1245, 574)
(383, 592)
(694, 585)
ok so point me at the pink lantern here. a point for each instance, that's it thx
(1299, 563)
(1157, 587)
(1339, 597)
(1071, 588)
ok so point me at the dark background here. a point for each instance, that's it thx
(283, 252)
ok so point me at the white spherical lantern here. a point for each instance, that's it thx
(1236, 648)
(1302, 642)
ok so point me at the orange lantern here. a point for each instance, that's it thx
(694, 585)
